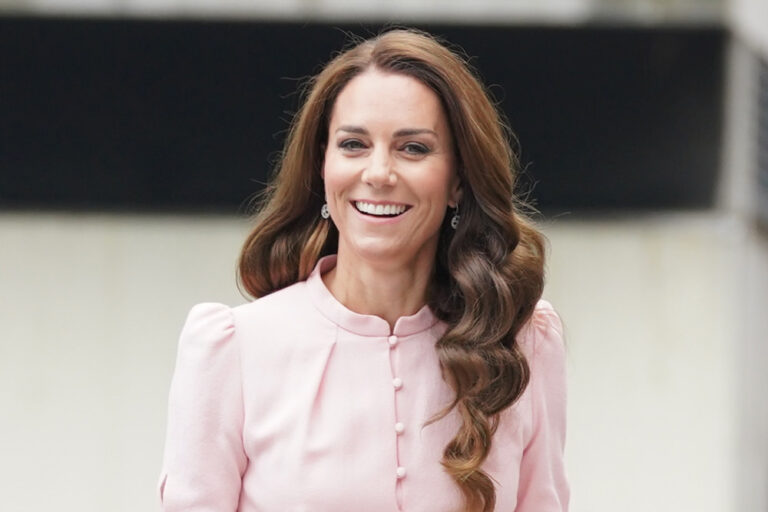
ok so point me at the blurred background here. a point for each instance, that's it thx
(134, 132)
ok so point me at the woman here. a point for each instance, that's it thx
(398, 356)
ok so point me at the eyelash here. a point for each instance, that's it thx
(347, 143)
(421, 149)
(415, 147)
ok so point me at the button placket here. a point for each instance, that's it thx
(399, 426)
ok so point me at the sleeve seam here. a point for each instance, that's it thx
(533, 377)
(238, 350)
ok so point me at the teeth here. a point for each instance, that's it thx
(379, 209)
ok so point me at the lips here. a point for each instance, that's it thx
(380, 209)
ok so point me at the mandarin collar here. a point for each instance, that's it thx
(357, 323)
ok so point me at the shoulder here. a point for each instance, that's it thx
(206, 342)
(208, 316)
(208, 322)
(542, 336)
(277, 310)
(545, 317)
(215, 324)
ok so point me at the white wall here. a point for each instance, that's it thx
(335, 10)
(749, 18)
(738, 196)
(91, 306)
(649, 312)
(463, 11)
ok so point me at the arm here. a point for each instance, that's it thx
(543, 486)
(204, 459)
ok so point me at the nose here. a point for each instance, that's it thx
(378, 171)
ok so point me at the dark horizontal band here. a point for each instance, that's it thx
(190, 115)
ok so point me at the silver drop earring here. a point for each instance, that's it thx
(324, 213)
(455, 218)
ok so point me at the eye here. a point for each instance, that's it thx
(351, 144)
(415, 148)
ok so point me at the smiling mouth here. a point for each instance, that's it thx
(380, 210)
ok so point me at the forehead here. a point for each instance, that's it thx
(380, 97)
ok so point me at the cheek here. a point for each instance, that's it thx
(437, 183)
(335, 181)
(337, 173)
(332, 183)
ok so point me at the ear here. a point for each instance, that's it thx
(455, 193)
(322, 161)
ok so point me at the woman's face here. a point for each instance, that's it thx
(389, 169)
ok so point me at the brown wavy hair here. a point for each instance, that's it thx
(488, 273)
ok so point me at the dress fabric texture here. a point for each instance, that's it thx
(294, 403)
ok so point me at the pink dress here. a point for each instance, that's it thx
(293, 403)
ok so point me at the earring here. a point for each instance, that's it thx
(324, 213)
(456, 217)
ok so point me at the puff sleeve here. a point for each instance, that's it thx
(204, 459)
(543, 486)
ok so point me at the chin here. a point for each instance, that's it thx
(389, 252)
(377, 251)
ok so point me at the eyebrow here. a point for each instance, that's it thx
(404, 132)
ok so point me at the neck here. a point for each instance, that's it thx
(389, 292)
